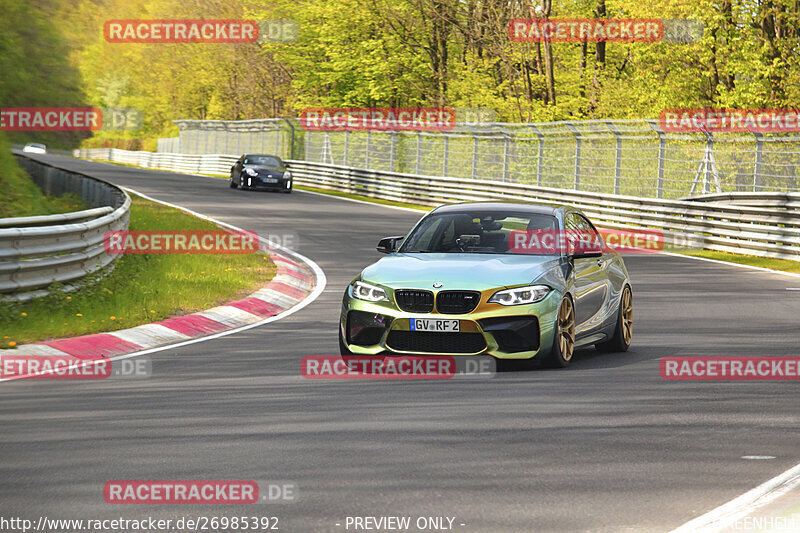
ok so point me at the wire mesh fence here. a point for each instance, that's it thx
(627, 157)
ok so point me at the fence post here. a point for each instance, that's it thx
(757, 185)
(618, 158)
(291, 138)
(662, 155)
(540, 156)
(366, 157)
(277, 140)
(474, 155)
(662, 159)
(419, 147)
(446, 153)
(392, 149)
(577, 155)
(505, 156)
(346, 147)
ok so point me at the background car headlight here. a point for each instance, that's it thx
(250, 172)
(287, 175)
(367, 292)
(520, 295)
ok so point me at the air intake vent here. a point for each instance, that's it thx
(414, 301)
(457, 302)
(435, 343)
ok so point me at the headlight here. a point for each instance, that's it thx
(367, 292)
(520, 295)
(250, 172)
(287, 175)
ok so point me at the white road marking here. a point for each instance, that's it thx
(318, 272)
(724, 515)
(758, 457)
(149, 335)
(365, 202)
(750, 267)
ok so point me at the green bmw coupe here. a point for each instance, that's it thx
(463, 282)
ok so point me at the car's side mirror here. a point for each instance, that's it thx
(388, 245)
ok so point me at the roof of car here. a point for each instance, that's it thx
(516, 206)
(261, 155)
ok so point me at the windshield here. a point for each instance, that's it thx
(262, 160)
(485, 232)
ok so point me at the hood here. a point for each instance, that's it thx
(458, 271)
(264, 168)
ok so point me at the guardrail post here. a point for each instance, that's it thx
(474, 155)
(757, 185)
(578, 139)
(446, 153)
(505, 156)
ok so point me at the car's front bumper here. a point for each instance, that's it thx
(255, 183)
(505, 332)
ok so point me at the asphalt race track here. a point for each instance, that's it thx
(606, 445)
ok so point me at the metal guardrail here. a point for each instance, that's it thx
(33, 255)
(199, 164)
(714, 222)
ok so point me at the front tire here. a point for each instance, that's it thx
(623, 332)
(564, 336)
(233, 184)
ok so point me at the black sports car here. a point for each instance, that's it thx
(254, 171)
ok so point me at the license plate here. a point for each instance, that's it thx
(269, 180)
(429, 324)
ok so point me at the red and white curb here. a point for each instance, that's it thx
(298, 281)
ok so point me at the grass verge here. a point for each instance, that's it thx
(21, 197)
(141, 288)
(362, 198)
(784, 265)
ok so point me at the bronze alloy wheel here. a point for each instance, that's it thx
(566, 329)
(627, 315)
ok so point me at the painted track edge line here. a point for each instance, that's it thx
(310, 298)
(727, 513)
